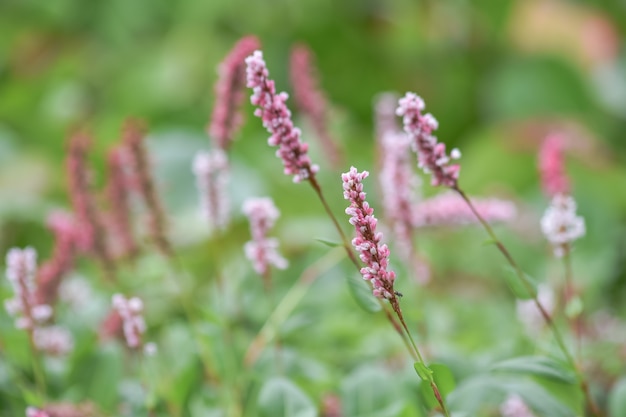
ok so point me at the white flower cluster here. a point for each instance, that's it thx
(561, 225)
(130, 310)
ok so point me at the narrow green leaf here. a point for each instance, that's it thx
(445, 384)
(517, 286)
(423, 371)
(362, 294)
(330, 243)
(280, 397)
(537, 366)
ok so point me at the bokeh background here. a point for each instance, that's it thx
(499, 75)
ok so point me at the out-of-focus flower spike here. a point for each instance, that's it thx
(21, 271)
(212, 174)
(92, 235)
(554, 179)
(262, 250)
(133, 140)
(131, 312)
(117, 192)
(229, 96)
(52, 271)
(310, 100)
(514, 406)
(560, 224)
(276, 118)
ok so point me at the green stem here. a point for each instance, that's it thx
(531, 290)
(40, 380)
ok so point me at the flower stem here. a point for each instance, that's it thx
(533, 292)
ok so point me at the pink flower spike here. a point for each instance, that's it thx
(276, 118)
(211, 171)
(514, 406)
(367, 241)
(229, 96)
(432, 157)
(261, 250)
(310, 100)
(554, 179)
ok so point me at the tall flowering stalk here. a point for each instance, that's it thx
(92, 236)
(52, 271)
(212, 173)
(375, 256)
(117, 192)
(433, 159)
(137, 157)
(229, 96)
(262, 250)
(310, 100)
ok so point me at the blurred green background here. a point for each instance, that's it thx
(497, 74)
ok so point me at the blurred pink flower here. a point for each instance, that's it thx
(528, 313)
(211, 171)
(367, 241)
(133, 324)
(277, 120)
(35, 412)
(21, 271)
(229, 95)
(432, 157)
(261, 250)
(53, 270)
(310, 100)
(560, 224)
(53, 340)
(450, 209)
(554, 180)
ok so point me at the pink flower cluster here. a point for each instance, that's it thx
(277, 120)
(35, 412)
(450, 209)
(432, 157)
(367, 241)
(134, 326)
(211, 171)
(554, 179)
(54, 340)
(261, 250)
(21, 270)
(226, 117)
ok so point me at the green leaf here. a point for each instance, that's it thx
(362, 294)
(280, 397)
(445, 384)
(517, 286)
(537, 366)
(490, 242)
(617, 399)
(330, 243)
(423, 371)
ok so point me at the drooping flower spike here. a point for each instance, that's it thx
(276, 118)
(431, 154)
